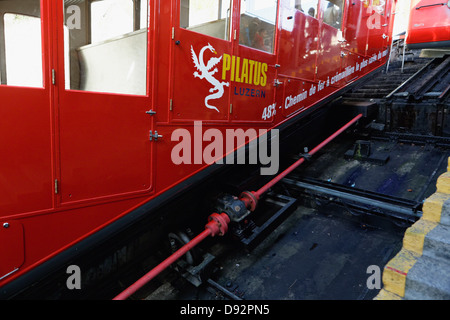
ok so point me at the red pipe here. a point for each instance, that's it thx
(271, 183)
(217, 225)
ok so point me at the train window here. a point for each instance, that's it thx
(104, 19)
(332, 12)
(309, 7)
(208, 17)
(106, 50)
(22, 63)
(258, 20)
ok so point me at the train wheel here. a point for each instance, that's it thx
(179, 239)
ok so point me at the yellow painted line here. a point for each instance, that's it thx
(443, 183)
(432, 207)
(396, 271)
(386, 295)
(415, 235)
(394, 275)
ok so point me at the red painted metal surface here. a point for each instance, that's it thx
(429, 24)
(73, 161)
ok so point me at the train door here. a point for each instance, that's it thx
(202, 51)
(354, 32)
(386, 25)
(330, 49)
(104, 102)
(26, 172)
(253, 67)
(378, 25)
(298, 44)
(355, 27)
(299, 40)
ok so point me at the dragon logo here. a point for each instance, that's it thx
(205, 73)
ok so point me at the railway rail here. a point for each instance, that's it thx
(420, 104)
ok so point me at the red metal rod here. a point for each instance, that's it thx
(277, 179)
(217, 225)
(162, 266)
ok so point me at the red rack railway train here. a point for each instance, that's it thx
(429, 25)
(93, 91)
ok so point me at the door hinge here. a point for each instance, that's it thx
(53, 76)
(173, 33)
(56, 186)
(154, 136)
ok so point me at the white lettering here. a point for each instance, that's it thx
(234, 142)
(191, 310)
(74, 21)
(292, 101)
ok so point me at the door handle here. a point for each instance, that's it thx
(154, 136)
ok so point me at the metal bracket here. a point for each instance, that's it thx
(150, 112)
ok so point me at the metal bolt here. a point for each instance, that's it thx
(6, 225)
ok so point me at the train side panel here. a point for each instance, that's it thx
(429, 24)
(91, 142)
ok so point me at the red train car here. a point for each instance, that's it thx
(93, 93)
(429, 25)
